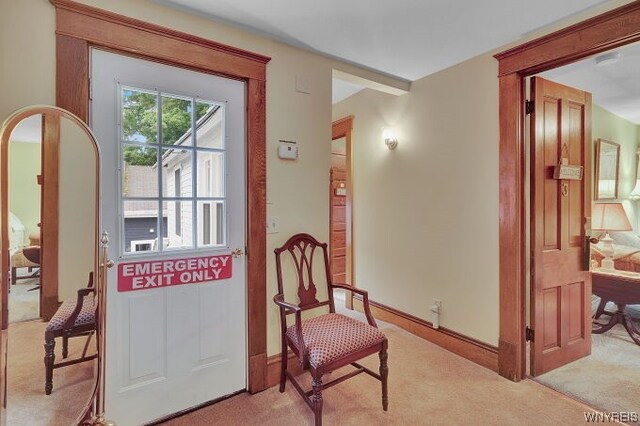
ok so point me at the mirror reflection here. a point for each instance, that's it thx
(607, 166)
(53, 257)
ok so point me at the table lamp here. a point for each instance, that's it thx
(609, 217)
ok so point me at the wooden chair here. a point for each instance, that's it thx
(74, 318)
(326, 342)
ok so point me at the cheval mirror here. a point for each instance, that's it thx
(52, 265)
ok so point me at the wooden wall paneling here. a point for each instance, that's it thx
(607, 31)
(80, 27)
(49, 211)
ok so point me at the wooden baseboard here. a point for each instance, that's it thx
(467, 347)
(273, 368)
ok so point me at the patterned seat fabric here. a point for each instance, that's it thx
(86, 316)
(333, 336)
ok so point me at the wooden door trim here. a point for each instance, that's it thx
(80, 27)
(49, 216)
(343, 128)
(607, 31)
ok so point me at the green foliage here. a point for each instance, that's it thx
(140, 118)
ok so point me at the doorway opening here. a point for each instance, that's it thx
(612, 301)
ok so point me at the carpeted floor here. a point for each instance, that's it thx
(24, 305)
(608, 380)
(427, 385)
(27, 403)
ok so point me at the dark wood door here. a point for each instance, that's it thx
(560, 219)
(338, 224)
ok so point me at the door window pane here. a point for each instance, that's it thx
(180, 216)
(210, 174)
(172, 160)
(139, 171)
(210, 132)
(211, 221)
(177, 120)
(141, 225)
(139, 115)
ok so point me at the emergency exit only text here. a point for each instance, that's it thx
(163, 273)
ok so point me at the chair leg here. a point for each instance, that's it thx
(316, 399)
(13, 275)
(49, 358)
(283, 367)
(65, 346)
(384, 373)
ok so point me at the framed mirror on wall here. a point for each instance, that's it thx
(55, 256)
(606, 170)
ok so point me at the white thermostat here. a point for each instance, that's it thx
(288, 150)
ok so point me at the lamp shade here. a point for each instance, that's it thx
(609, 217)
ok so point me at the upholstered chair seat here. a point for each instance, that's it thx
(87, 314)
(331, 337)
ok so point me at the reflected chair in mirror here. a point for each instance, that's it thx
(74, 318)
(329, 341)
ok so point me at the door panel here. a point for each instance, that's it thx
(174, 347)
(560, 290)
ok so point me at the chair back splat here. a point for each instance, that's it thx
(302, 248)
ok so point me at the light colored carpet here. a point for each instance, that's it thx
(609, 379)
(427, 385)
(27, 403)
(24, 305)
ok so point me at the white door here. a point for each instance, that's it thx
(173, 155)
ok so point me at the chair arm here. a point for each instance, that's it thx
(365, 300)
(82, 293)
(279, 300)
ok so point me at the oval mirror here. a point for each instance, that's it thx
(51, 278)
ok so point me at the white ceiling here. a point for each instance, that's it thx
(615, 87)
(341, 90)
(28, 130)
(404, 38)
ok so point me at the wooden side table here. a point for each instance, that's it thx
(621, 288)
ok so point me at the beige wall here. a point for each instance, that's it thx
(24, 191)
(297, 189)
(426, 214)
(606, 125)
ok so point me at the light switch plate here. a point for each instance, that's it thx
(272, 225)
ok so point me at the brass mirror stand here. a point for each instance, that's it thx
(94, 412)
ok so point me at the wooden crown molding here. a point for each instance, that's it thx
(119, 32)
(600, 33)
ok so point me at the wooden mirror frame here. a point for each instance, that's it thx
(93, 413)
(598, 151)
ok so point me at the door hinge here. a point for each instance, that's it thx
(530, 334)
(528, 107)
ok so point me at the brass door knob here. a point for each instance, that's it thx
(236, 253)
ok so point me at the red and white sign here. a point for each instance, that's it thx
(163, 273)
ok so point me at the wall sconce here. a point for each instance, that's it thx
(390, 140)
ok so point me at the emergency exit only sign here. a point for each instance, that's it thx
(145, 275)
